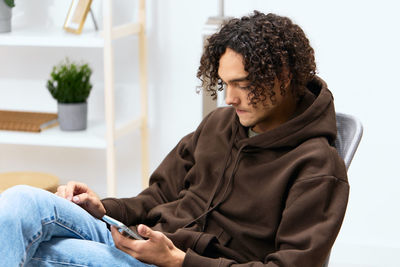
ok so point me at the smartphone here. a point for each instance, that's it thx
(122, 228)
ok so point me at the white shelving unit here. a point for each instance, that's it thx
(100, 134)
(51, 38)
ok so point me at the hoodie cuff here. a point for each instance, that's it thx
(112, 207)
(192, 259)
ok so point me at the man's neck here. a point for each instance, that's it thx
(285, 112)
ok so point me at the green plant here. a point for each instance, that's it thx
(10, 3)
(70, 82)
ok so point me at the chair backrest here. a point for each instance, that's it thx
(349, 133)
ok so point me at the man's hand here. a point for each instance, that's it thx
(157, 249)
(80, 194)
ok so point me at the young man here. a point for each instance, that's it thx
(257, 184)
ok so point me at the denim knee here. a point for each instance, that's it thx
(24, 198)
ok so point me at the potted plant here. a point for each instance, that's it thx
(70, 86)
(5, 15)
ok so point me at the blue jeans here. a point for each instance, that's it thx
(38, 228)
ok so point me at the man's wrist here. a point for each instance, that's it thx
(178, 256)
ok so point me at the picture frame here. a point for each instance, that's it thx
(76, 16)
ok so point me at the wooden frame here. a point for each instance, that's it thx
(111, 33)
(76, 16)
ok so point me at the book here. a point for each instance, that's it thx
(26, 121)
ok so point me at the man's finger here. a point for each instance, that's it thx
(154, 236)
(74, 188)
(122, 242)
(145, 231)
(61, 191)
(83, 198)
(69, 190)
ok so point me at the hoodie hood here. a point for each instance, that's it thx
(318, 119)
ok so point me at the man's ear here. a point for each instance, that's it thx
(285, 78)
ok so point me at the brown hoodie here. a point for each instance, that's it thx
(276, 199)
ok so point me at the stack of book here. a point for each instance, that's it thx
(26, 121)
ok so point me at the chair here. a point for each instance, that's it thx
(349, 133)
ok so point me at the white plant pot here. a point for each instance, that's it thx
(72, 116)
(5, 17)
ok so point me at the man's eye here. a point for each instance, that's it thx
(244, 87)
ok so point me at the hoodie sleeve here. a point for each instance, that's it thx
(165, 184)
(310, 223)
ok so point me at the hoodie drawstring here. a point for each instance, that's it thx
(224, 195)
(201, 220)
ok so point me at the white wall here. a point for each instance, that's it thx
(356, 44)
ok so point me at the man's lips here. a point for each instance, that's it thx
(240, 111)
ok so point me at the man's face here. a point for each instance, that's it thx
(264, 115)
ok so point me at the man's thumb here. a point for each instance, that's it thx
(144, 231)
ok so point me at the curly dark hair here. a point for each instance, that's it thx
(269, 45)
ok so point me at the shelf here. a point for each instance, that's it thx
(60, 38)
(102, 133)
(92, 137)
(51, 38)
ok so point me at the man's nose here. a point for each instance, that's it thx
(230, 97)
